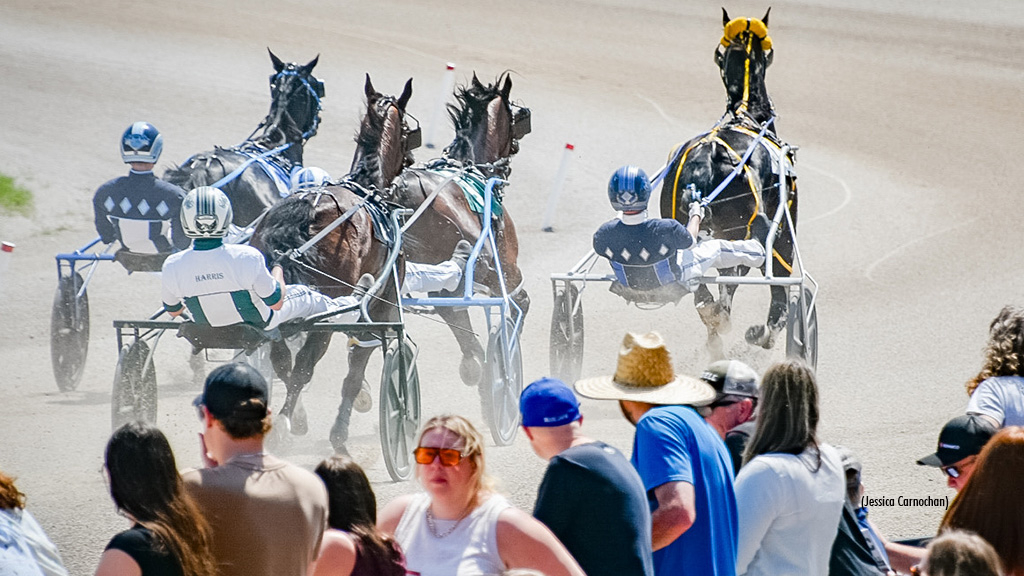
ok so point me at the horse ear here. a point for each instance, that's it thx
(725, 16)
(406, 94)
(507, 88)
(278, 65)
(765, 19)
(309, 67)
(476, 81)
(368, 89)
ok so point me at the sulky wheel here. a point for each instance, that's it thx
(802, 329)
(502, 384)
(134, 395)
(399, 409)
(69, 332)
(566, 351)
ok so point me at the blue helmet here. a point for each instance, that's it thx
(309, 178)
(141, 142)
(629, 189)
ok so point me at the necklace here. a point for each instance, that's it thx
(433, 527)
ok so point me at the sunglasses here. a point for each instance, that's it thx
(956, 470)
(448, 456)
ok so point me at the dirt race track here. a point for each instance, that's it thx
(906, 114)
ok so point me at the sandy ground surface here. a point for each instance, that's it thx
(906, 114)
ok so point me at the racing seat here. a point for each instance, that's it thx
(139, 262)
(246, 337)
(654, 283)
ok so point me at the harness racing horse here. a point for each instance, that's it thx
(733, 170)
(255, 174)
(486, 136)
(353, 248)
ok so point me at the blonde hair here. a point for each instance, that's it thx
(473, 445)
(1004, 353)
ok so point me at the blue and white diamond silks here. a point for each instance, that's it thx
(162, 209)
(143, 207)
(126, 205)
(109, 204)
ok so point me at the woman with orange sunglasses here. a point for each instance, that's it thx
(460, 526)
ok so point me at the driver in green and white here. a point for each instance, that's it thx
(224, 284)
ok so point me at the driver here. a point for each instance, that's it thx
(140, 210)
(648, 253)
(225, 284)
(310, 178)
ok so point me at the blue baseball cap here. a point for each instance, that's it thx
(547, 403)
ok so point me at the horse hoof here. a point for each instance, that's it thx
(759, 335)
(716, 350)
(714, 317)
(363, 401)
(279, 433)
(299, 421)
(471, 370)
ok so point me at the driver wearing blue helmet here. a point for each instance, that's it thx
(140, 210)
(648, 253)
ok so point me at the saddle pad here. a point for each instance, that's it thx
(473, 186)
(381, 222)
(277, 167)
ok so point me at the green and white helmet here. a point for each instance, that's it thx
(206, 213)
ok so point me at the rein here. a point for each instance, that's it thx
(739, 166)
(248, 162)
(296, 253)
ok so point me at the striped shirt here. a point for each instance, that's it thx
(220, 284)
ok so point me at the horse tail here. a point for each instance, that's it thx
(285, 228)
(193, 173)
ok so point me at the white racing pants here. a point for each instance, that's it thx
(708, 254)
(300, 301)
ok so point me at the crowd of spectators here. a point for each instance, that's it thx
(727, 476)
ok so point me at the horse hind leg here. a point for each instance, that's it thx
(764, 335)
(471, 368)
(706, 306)
(358, 356)
(306, 358)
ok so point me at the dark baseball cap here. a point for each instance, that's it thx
(230, 390)
(732, 378)
(961, 437)
(548, 402)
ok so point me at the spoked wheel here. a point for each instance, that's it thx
(802, 329)
(399, 409)
(566, 351)
(134, 396)
(502, 384)
(69, 332)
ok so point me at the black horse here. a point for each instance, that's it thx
(486, 137)
(255, 173)
(335, 263)
(744, 142)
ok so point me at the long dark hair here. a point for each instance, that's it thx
(987, 506)
(352, 508)
(787, 419)
(145, 484)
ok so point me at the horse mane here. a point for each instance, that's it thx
(286, 227)
(186, 177)
(471, 107)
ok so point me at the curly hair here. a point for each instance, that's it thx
(10, 497)
(1004, 354)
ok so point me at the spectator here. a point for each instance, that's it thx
(791, 489)
(268, 516)
(682, 461)
(990, 504)
(590, 497)
(960, 442)
(25, 549)
(857, 549)
(997, 392)
(169, 536)
(960, 553)
(461, 526)
(352, 544)
(732, 412)
(140, 210)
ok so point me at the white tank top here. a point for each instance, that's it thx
(470, 550)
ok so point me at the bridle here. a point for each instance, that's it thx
(745, 30)
(313, 85)
(412, 137)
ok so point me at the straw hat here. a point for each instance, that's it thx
(644, 374)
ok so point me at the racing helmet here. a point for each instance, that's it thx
(141, 142)
(206, 213)
(309, 178)
(629, 189)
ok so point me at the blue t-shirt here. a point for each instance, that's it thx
(643, 255)
(674, 444)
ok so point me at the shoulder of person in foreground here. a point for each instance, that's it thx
(391, 515)
(117, 563)
(524, 542)
(337, 555)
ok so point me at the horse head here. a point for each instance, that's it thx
(743, 55)
(385, 142)
(487, 125)
(295, 103)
